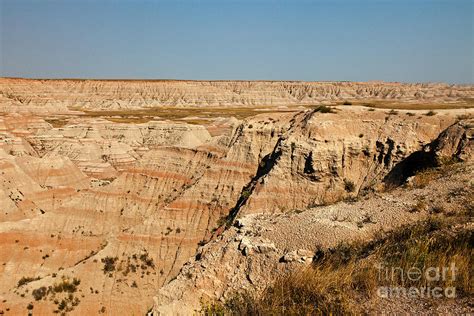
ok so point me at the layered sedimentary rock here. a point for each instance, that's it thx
(57, 96)
(117, 208)
(258, 248)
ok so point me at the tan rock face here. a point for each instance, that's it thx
(258, 248)
(121, 206)
(55, 96)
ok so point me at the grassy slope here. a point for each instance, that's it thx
(345, 279)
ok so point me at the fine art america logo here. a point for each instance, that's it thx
(431, 277)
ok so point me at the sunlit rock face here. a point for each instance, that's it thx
(116, 203)
(56, 96)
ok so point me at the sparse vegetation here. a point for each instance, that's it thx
(109, 264)
(223, 220)
(324, 109)
(420, 206)
(186, 115)
(463, 117)
(392, 112)
(26, 280)
(349, 185)
(61, 294)
(348, 273)
(66, 285)
(423, 177)
(39, 293)
(146, 260)
(246, 193)
(430, 113)
(293, 147)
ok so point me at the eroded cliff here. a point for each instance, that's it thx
(100, 210)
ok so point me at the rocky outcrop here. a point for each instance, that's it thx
(262, 247)
(452, 145)
(55, 96)
(455, 142)
(121, 206)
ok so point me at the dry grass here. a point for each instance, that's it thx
(463, 103)
(129, 119)
(423, 177)
(195, 115)
(344, 277)
(202, 115)
(400, 105)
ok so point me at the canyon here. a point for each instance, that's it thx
(152, 196)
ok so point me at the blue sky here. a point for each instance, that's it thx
(356, 40)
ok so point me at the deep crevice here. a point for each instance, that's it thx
(265, 166)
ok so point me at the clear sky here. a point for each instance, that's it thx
(356, 40)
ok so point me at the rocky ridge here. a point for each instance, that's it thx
(121, 206)
(258, 248)
(57, 96)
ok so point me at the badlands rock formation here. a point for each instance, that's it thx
(57, 96)
(99, 211)
(258, 248)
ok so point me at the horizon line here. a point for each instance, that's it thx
(227, 80)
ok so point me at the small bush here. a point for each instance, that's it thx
(246, 194)
(324, 109)
(26, 280)
(349, 186)
(40, 293)
(62, 305)
(430, 113)
(147, 261)
(66, 285)
(109, 264)
(392, 112)
(347, 103)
